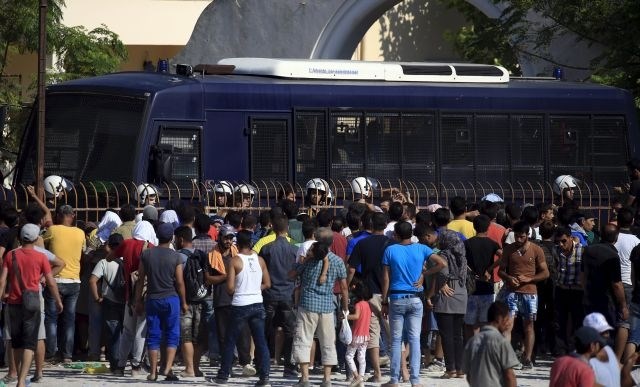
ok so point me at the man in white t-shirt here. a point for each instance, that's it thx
(110, 297)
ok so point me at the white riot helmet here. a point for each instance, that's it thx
(54, 185)
(563, 182)
(147, 194)
(245, 189)
(223, 187)
(363, 186)
(320, 185)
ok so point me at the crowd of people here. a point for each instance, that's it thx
(471, 290)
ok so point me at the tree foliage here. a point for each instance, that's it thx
(80, 53)
(611, 26)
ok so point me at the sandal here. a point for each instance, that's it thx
(460, 375)
(448, 375)
(37, 378)
(171, 377)
(9, 379)
(153, 378)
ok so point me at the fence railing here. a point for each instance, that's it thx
(91, 199)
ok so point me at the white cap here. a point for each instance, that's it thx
(492, 197)
(597, 321)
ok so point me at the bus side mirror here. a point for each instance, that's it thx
(160, 164)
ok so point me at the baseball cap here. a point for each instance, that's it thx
(586, 335)
(597, 321)
(64, 209)
(29, 232)
(227, 230)
(150, 213)
(493, 197)
(165, 231)
(217, 219)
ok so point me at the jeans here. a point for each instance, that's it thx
(224, 318)
(280, 313)
(208, 316)
(568, 303)
(113, 315)
(405, 314)
(134, 332)
(69, 294)
(95, 328)
(254, 315)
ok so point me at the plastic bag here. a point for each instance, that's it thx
(345, 335)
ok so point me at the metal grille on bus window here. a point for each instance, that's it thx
(457, 148)
(347, 145)
(269, 149)
(569, 145)
(91, 136)
(492, 147)
(418, 147)
(186, 155)
(383, 146)
(311, 146)
(527, 156)
(609, 147)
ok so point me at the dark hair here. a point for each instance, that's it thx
(358, 207)
(625, 217)
(243, 239)
(308, 228)
(280, 224)
(379, 221)
(481, 223)
(367, 221)
(496, 310)
(319, 250)
(562, 231)
(530, 214)
(610, 233)
(186, 214)
(302, 217)
(458, 205)
(546, 229)
(489, 208)
(441, 217)
(513, 211)
(361, 291)
(127, 212)
(421, 230)
(634, 163)
(337, 223)
(396, 209)
(354, 220)
(424, 217)
(290, 208)
(202, 224)
(265, 219)
(33, 214)
(234, 218)
(275, 211)
(183, 232)
(566, 215)
(285, 191)
(521, 227)
(410, 210)
(249, 222)
(323, 217)
(403, 230)
(115, 240)
(544, 207)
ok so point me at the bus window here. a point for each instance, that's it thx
(456, 133)
(186, 167)
(383, 139)
(527, 155)
(492, 147)
(311, 146)
(569, 146)
(418, 147)
(609, 132)
(347, 145)
(269, 149)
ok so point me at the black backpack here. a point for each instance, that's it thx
(195, 286)
(118, 285)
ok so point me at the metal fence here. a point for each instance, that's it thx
(91, 199)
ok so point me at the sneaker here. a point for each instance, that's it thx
(518, 366)
(119, 371)
(357, 382)
(527, 364)
(263, 383)
(290, 373)
(216, 381)
(435, 366)
(248, 370)
(137, 371)
(384, 361)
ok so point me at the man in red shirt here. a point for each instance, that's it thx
(574, 370)
(22, 269)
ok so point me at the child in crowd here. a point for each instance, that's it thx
(361, 317)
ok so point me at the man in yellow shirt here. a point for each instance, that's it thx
(67, 242)
(458, 207)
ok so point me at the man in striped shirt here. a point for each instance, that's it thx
(569, 290)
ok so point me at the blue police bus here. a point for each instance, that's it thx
(293, 120)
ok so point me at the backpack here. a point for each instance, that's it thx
(194, 283)
(118, 285)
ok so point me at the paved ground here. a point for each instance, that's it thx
(62, 377)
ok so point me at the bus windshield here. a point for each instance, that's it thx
(88, 137)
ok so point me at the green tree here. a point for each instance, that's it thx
(611, 26)
(81, 53)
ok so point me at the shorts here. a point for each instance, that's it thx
(522, 304)
(321, 323)
(634, 320)
(24, 326)
(42, 334)
(163, 322)
(375, 303)
(192, 328)
(477, 308)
